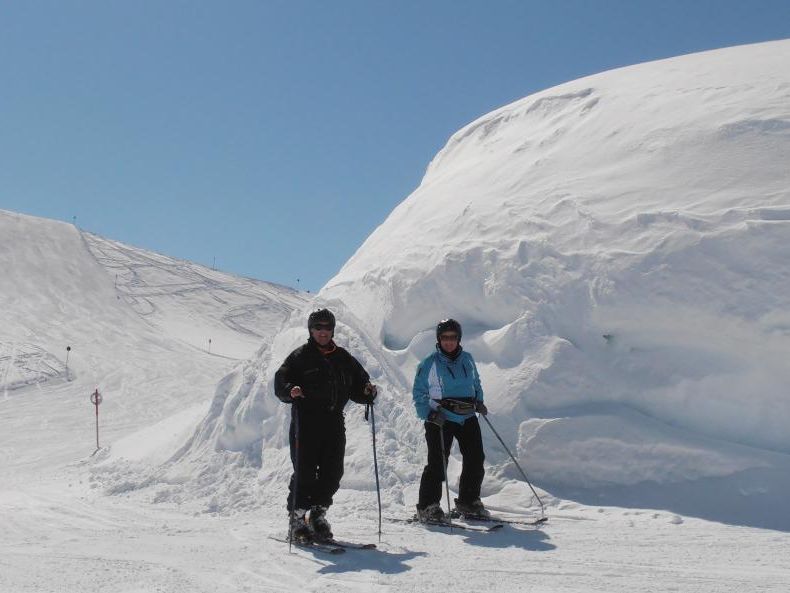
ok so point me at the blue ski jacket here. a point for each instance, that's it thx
(440, 377)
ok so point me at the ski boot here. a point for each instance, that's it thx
(300, 530)
(473, 509)
(318, 523)
(432, 513)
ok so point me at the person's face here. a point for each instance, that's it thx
(321, 333)
(448, 341)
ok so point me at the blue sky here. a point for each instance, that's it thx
(272, 137)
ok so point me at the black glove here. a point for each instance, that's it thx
(436, 417)
(480, 408)
(371, 391)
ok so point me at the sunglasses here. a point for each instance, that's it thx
(323, 326)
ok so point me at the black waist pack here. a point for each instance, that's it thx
(457, 406)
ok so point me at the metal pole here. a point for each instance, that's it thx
(295, 416)
(96, 400)
(540, 502)
(444, 467)
(375, 460)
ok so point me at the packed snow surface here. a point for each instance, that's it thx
(616, 250)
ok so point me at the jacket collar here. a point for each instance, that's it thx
(326, 351)
(453, 356)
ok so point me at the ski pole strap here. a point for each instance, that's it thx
(367, 411)
(458, 406)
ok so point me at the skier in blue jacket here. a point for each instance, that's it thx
(447, 393)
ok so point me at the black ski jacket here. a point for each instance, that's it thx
(328, 381)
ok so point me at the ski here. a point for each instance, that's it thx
(325, 547)
(495, 519)
(451, 524)
(347, 545)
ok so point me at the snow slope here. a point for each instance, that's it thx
(615, 248)
(57, 295)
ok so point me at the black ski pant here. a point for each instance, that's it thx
(318, 448)
(470, 442)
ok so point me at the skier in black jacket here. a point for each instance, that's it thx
(318, 379)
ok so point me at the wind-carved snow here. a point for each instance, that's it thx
(616, 250)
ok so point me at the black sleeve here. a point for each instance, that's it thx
(360, 379)
(286, 378)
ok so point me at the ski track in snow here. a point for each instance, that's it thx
(162, 288)
(22, 365)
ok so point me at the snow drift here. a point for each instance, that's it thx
(616, 248)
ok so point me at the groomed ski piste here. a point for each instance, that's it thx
(616, 249)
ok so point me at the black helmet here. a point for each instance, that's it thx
(448, 325)
(321, 316)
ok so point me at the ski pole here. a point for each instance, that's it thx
(369, 407)
(444, 467)
(540, 502)
(295, 492)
